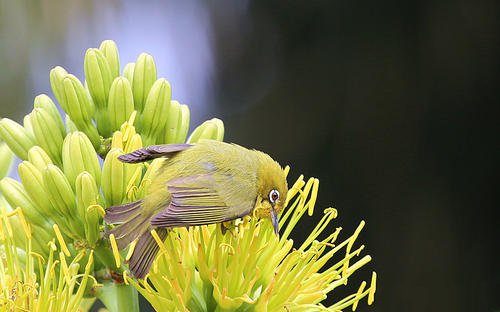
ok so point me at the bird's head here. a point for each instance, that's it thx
(272, 189)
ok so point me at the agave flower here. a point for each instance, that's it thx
(31, 282)
(250, 269)
(70, 173)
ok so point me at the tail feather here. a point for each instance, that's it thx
(123, 213)
(133, 223)
(145, 252)
(131, 220)
(128, 232)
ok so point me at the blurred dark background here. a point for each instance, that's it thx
(392, 104)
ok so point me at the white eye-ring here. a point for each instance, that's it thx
(274, 195)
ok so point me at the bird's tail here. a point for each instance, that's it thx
(132, 223)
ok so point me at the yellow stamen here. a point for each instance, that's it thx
(114, 248)
(125, 278)
(297, 186)
(64, 267)
(286, 170)
(358, 295)
(358, 265)
(8, 226)
(37, 255)
(351, 242)
(373, 288)
(131, 249)
(231, 248)
(52, 245)
(135, 176)
(60, 239)
(22, 219)
(131, 119)
(127, 128)
(314, 194)
(158, 240)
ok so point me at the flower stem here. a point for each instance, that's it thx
(118, 297)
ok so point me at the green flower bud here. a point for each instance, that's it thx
(183, 126)
(32, 179)
(76, 101)
(28, 125)
(43, 101)
(144, 77)
(155, 111)
(6, 159)
(121, 102)
(79, 155)
(177, 124)
(212, 129)
(110, 51)
(59, 190)
(99, 79)
(79, 107)
(38, 158)
(91, 132)
(113, 178)
(16, 137)
(87, 196)
(57, 75)
(98, 76)
(16, 196)
(128, 72)
(47, 133)
(62, 198)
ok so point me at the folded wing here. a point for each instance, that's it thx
(204, 199)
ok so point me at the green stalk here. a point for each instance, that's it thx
(86, 304)
(118, 297)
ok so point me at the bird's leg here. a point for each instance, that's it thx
(233, 226)
(228, 226)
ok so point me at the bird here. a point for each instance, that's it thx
(197, 184)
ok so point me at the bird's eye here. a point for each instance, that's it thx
(274, 195)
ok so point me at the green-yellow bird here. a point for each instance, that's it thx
(208, 182)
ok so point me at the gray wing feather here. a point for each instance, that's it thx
(199, 199)
(152, 152)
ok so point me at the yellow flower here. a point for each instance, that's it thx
(250, 269)
(59, 287)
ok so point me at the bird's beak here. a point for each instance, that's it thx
(274, 221)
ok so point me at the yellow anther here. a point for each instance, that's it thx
(231, 248)
(286, 170)
(114, 248)
(131, 249)
(373, 288)
(359, 295)
(358, 264)
(125, 278)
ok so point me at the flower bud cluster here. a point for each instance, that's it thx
(69, 170)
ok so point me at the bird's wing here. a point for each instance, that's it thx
(152, 152)
(200, 199)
